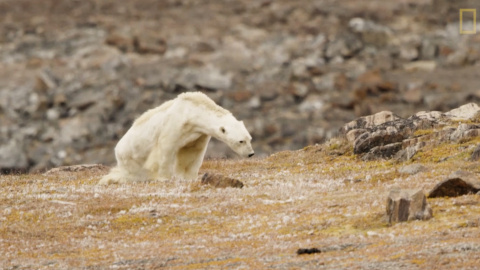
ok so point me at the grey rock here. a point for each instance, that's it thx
(370, 121)
(412, 169)
(408, 152)
(13, 155)
(465, 131)
(325, 82)
(206, 77)
(353, 134)
(405, 205)
(345, 45)
(430, 116)
(368, 141)
(457, 184)
(371, 32)
(408, 53)
(428, 49)
(383, 151)
(465, 112)
(312, 103)
(475, 156)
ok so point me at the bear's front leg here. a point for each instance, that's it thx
(160, 163)
(189, 158)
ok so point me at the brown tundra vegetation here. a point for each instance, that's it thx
(323, 197)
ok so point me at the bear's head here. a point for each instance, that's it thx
(236, 136)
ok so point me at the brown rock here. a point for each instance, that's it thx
(121, 42)
(241, 95)
(149, 44)
(405, 205)
(457, 184)
(413, 96)
(220, 181)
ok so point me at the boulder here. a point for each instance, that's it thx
(464, 112)
(220, 181)
(370, 121)
(457, 184)
(405, 205)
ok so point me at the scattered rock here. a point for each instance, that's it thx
(475, 156)
(78, 168)
(457, 184)
(12, 156)
(405, 205)
(420, 66)
(302, 251)
(149, 44)
(412, 169)
(408, 152)
(220, 181)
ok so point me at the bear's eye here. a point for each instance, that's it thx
(242, 141)
(222, 129)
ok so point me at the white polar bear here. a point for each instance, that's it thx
(171, 140)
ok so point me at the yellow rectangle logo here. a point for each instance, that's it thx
(471, 31)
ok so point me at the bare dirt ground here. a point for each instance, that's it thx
(320, 197)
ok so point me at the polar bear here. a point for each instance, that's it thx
(171, 140)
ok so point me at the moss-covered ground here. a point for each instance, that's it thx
(322, 196)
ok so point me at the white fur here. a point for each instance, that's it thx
(171, 140)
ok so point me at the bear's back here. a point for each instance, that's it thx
(148, 114)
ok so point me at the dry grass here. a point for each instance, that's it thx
(322, 196)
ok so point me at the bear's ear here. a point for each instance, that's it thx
(222, 129)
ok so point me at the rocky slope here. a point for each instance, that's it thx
(75, 74)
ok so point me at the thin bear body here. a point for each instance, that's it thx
(171, 140)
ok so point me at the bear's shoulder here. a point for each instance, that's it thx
(200, 99)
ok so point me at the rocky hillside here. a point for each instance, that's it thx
(75, 74)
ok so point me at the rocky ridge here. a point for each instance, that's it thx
(74, 75)
(385, 135)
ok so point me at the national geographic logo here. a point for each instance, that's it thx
(470, 14)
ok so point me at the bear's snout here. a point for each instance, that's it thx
(251, 155)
